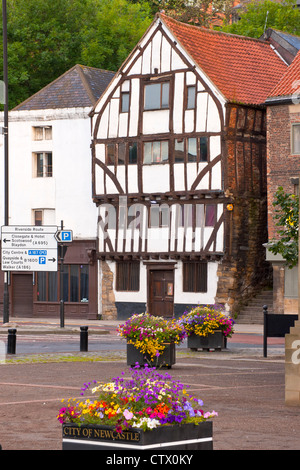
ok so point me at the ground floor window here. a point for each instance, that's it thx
(75, 284)
(128, 276)
(195, 276)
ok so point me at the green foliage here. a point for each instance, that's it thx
(287, 216)
(284, 16)
(47, 37)
(197, 12)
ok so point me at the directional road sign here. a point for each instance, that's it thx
(64, 236)
(28, 248)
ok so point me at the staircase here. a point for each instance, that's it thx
(253, 312)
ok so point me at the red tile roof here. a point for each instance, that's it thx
(289, 84)
(244, 70)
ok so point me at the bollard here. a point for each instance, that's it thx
(84, 338)
(11, 341)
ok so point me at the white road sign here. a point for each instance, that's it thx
(28, 248)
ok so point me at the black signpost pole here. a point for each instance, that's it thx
(62, 251)
(5, 132)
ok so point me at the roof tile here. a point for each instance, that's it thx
(289, 84)
(243, 69)
(80, 86)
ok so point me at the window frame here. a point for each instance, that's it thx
(44, 134)
(293, 140)
(128, 280)
(152, 142)
(189, 104)
(194, 276)
(45, 276)
(161, 83)
(202, 149)
(47, 168)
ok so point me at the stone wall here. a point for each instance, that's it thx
(109, 310)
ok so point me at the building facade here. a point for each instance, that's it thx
(283, 168)
(49, 174)
(179, 171)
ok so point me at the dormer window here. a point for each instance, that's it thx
(156, 96)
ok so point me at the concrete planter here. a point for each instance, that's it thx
(177, 437)
(166, 359)
(214, 341)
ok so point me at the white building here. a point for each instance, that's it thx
(50, 182)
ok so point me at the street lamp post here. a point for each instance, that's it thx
(5, 132)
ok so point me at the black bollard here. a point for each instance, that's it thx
(11, 341)
(84, 338)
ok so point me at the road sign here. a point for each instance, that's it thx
(28, 248)
(64, 236)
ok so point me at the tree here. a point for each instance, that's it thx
(47, 37)
(284, 16)
(113, 32)
(287, 216)
(198, 12)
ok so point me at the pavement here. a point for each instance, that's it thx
(246, 389)
(50, 325)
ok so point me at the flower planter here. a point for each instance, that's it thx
(166, 359)
(215, 341)
(174, 437)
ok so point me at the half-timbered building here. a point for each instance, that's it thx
(179, 171)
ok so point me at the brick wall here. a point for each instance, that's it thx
(244, 270)
(281, 164)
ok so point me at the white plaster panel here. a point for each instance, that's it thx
(154, 181)
(132, 179)
(110, 185)
(134, 108)
(191, 172)
(177, 62)
(123, 124)
(103, 126)
(179, 177)
(215, 146)
(114, 118)
(204, 182)
(156, 122)
(178, 102)
(99, 180)
(216, 180)
(201, 112)
(156, 46)
(165, 56)
(213, 119)
(146, 60)
(136, 68)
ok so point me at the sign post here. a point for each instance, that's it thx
(62, 236)
(28, 248)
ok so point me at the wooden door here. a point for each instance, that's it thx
(161, 293)
(22, 295)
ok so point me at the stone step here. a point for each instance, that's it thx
(253, 312)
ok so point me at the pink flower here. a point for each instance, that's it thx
(127, 414)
